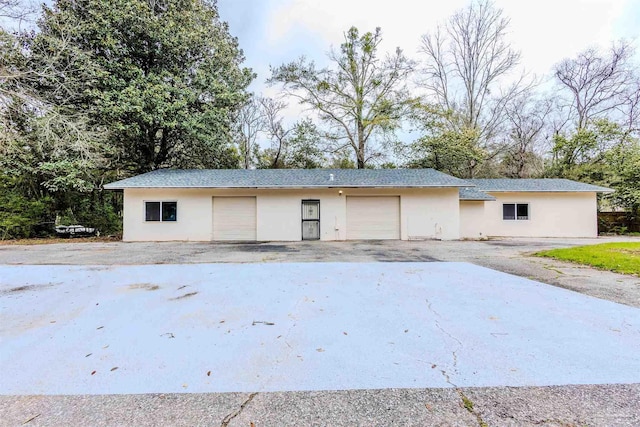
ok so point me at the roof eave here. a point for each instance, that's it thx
(549, 191)
(284, 187)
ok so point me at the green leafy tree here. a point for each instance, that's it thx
(164, 77)
(582, 155)
(362, 98)
(341, 160)
(20, 216)
(106, 89)
(624, 161)
(53, 154)
(455, 152)
(599, 96)
(294, 148)
(603, 153)
(302, 150)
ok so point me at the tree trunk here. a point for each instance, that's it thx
(361, 146)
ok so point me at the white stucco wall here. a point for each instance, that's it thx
(430, 214)
(280, 214)
(195, 212)
(472, 221)
(550, 215)
(424, 213)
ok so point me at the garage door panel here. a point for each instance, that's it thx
(234, 218)
(373, 218)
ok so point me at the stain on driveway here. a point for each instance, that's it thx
(18, 290)
(296, 327)
(264, 248)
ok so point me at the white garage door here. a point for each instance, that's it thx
(234, 218)
(373, 218)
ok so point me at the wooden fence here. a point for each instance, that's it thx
(618, 222)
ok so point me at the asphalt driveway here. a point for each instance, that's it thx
(511, 256)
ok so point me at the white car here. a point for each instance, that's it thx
(75, 231)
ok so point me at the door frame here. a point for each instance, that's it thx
(317, 201)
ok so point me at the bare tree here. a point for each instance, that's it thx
(466, 59)
(631, 106)
(599, 85)
(14, 12)
(250, 121)
(526, 123)
(274, 129)
(361, 98)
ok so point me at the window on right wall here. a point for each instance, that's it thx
(515, 211)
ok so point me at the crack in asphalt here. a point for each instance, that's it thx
(549, 421)
(293, 325)
(466, 402)
(469, 406)
(437, 323)
(226, 420)
(285, 336)
(454, 353)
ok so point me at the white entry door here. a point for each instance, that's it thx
(373, 218)
(234, 218)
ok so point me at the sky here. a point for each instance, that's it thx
(273, 32)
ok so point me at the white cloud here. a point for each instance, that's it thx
(402, 22)
(545, 30)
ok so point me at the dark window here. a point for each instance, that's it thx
(152, 211)
(523, 212)
(515, 211)
(169, 211)
(509, 211)
(161, 211)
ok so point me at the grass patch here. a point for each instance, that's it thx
(618, 257)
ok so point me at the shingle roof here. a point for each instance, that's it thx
(472, 193)
(289, 178)
(535, 185)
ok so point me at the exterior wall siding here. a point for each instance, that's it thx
(194, 216)
(434, 215)
(472, 219)
(424, 213)
(550, 215)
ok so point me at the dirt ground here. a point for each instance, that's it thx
(507, 255)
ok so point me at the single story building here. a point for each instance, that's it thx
(529, 208)
(349, 204)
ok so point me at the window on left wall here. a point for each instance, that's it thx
(161, 211)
